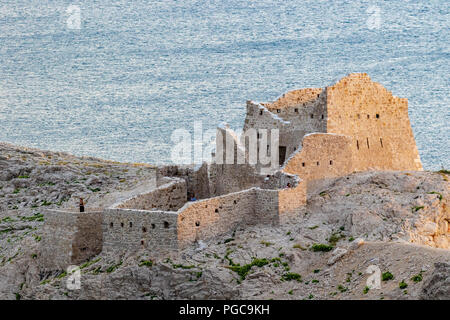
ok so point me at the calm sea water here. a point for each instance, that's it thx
(137, 70)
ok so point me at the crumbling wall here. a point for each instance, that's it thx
(69, 238)
(170, 196)
(378, 123)
(231, 172)
(132, 230)
(323, 156)
(207, 218)
(293, 119)
(197, 178)
(290, 200)
(88, 241)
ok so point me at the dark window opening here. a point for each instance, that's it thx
(121, 224)
(153, 226)
(378, 116)
(357, 144)
(303, 164)
(142, 242)
(312, 116)
(278, 110)
(359, 117)
(234, 201)
(111, 225)
(260, 113)
(368, 143)
(197, 223)
(131, 224)
(331, 162)
(166, 224)
(144, 229)
(318, 163)
(296, 110)
(216, 211)
(368, 116)
(281, 155)
(381, 141)
(83, 249)
(322, 116)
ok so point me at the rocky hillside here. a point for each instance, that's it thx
(395, 222)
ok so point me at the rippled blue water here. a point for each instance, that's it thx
(137, 70)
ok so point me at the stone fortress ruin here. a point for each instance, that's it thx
(307, 134)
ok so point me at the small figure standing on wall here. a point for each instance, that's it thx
(81, 205)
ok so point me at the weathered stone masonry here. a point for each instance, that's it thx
(353, 125)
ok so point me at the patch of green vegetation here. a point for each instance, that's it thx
(16, 191)
(323, 194)
(402, 284)
(24, 177)
(347, 195)
(228, 240)
(444, 171)
(351, 239)
(335, 237)
(8, 219)
(386, 276)
(89, 263)
(266, 243)
(62, 275)
(310, 296)
(314, 281)
(291, 276)
(36, 217)
(291, 292)
(416, 208)
(313, 227)
(418, 277)
(341, 288)
(243, 271)
(298, 246)
(199, 274)
(288, 233)
(18, 296)
(316, 271)
(45, 281)
(37, 238)
(366, 290)
(180, 266)
(320, 247)
(439, 194)
(34, 256)
(94, 189)
(146, 263)
(114, 267)
(45, 203)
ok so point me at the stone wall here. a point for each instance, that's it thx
(291, 200)
(197, 178)
(69, 238)
(170, 196)
(377, 122)
(132, 230)
(322, 156)
(207, 218)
